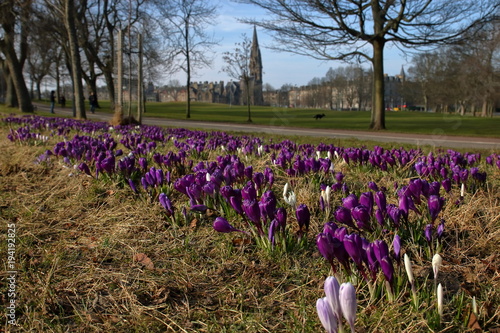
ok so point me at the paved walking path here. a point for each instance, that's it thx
(438, 140)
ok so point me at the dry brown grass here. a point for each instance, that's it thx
(81, 264)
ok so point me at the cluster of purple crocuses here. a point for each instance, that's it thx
(245, 198)
(352, 250)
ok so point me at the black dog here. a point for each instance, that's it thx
(319, 116)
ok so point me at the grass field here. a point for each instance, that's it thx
(93, 256)
(400, 122)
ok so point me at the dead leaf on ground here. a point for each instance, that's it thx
(194, 224)
(144, 260)
(473, 323)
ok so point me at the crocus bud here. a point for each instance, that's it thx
(387, 269)
(440, 299)
(343, 215)
(236, 204)
(303, 216)
(132, 185)
(435, 204)
(350, 201)
(440, 230)
(281, 217)
(396, 246)
(347, 296)
(428, 233)
(362, 217)
(166, 203)
(437, 261)
(332, 290)
(408, 269)
(222, 225)
(324, 242)
(326, 316)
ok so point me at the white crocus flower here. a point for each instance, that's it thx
(260, 150)
(462, 190)
(207, 177)
(318, 154)
(329, 155)
(440, 299)
(437, 261)
(408, 269)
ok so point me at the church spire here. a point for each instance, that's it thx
(256, 69)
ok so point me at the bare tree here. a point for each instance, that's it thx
(319, 29)
(14, 21)
(187, 22)
(238, 67)
(69, 15)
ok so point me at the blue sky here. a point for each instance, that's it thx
(279, 68)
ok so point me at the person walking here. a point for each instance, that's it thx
(52, 101)
(92, 101)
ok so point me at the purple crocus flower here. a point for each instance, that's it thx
(380, 217)
(132, 185)
(268, 203)
(248, 191)
(166, 203)
(353, 244)
(440, 230)
(222, 225)
(373, 186)
(362, 217)
(236, 203)
(446, 183)
(387, 269)
(350, 201)
(252, 210)
(280, 216)
(404, 205)
(428, 233)
(303, 216)
(380, 249)
(366, 199)
(435, 204)
(84, 168)
(381, 201)
(324, 242)
(273, 227)
(343, 215)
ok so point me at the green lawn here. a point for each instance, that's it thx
(402, 122)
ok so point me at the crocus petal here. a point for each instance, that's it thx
(332, 290)
(326, 315)
(347, 296)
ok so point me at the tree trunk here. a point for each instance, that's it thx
(188, 69)
(69, 17)
(484, 111)
(15, 66)
(118, 115)
(378, 107)
(140, 90)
